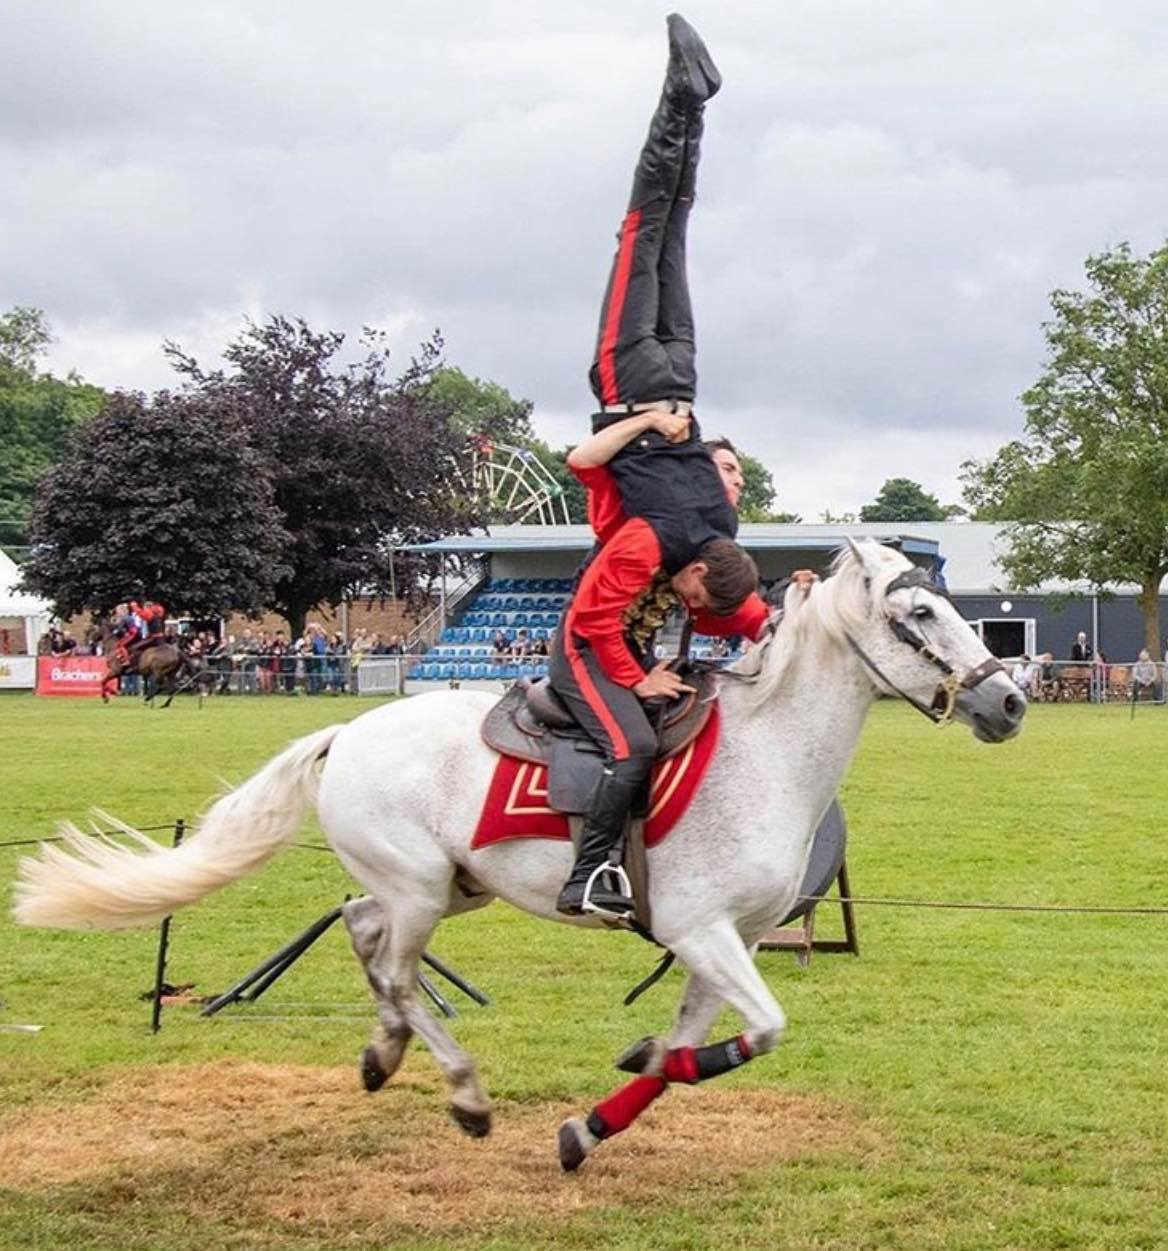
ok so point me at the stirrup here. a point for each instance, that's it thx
(623, 885)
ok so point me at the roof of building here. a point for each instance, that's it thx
(971, 549)
(755, 538)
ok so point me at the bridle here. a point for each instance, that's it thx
(951, 684)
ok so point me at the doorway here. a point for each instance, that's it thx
(1008, 636)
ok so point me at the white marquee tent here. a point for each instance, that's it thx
(23, 616)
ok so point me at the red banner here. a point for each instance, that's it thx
(70, 675)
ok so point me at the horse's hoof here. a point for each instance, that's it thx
(646, 1056)
(576, 1142)
(475, 1123)
(373, 1074)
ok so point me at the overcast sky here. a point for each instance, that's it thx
(888, 193)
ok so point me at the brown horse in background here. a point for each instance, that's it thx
(162, 666)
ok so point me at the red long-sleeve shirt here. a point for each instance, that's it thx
(629, 559)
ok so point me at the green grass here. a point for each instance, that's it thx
(1012, 1066)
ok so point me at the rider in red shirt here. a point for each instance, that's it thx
(154, 615)
(601, 659)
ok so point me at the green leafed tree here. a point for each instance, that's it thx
(758, 493)
(38, 414)
(163, 499)
(481, 407)
(1085, 489)
(902, 499)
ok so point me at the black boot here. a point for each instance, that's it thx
(603, 828)
(692, 77)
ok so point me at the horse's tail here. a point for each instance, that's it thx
(107, 886)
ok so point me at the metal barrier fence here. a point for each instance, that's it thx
(290, 674)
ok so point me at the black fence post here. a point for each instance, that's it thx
(163, 944)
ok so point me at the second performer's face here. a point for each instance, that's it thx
(731, 471)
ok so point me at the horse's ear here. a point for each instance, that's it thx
(863, 553)
(866, 555)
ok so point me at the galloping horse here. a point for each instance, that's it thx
(161, 666)
(402, 786)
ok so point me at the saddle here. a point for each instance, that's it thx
(532, 723)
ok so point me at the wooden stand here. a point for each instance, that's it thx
(799, 937)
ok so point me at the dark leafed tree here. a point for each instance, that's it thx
(163, 499)
(902, 499)
(38, 414)
(1085, 489)
(361, 461)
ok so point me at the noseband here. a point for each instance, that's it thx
(950, 685)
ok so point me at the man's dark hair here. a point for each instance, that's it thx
(719, 445)
(731, 575)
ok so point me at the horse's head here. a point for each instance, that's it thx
(913, 643)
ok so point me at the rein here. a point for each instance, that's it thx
(951, 684)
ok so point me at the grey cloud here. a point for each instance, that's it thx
(888, 195)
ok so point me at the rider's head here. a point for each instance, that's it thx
(725, 457)
(719, 580)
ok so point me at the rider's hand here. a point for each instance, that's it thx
(672, 426)
(660, 681)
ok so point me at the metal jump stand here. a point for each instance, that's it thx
(253, 985)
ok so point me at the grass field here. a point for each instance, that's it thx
(974, 1080)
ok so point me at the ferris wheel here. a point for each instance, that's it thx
(520, 488)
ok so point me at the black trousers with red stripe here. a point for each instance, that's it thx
(612, 716)
(645, 343)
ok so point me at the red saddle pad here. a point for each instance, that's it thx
(516, 805)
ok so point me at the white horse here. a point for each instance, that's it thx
(402, 787)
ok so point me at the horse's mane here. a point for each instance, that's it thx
(818, 621)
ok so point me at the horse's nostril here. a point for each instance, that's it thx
(1013, 706)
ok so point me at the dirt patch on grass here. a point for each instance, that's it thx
(304, 1146)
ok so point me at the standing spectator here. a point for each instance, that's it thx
(283, 663)
(317, 649)
(337, 665)
(220, 657)
(246, 651)
(264, 674)
(1081, 650)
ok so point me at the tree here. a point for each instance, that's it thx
(38, 414)
(162, 499)
(24, 336)
(480, 407)
(1085, 490)
(758, 493)
(361, 462)
(901, 499)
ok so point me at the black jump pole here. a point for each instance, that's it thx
(277, 963)
(163, 945)
(253, 985)
(468, 988)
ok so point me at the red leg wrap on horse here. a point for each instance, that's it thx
(696, 1064)
(623, 1106)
